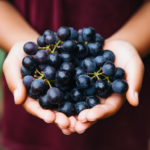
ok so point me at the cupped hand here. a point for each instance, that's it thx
(11, 68)
(128, 59)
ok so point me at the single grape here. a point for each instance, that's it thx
(83, 81)
(82, 51)
(92, 101)
(79, 106)
(119, 86)
(66, 57)
(63, 33)
(62, 77)
(54, 95)
(41, 56)
(67, 66)
(89, 65)
(99, 38)
(108, 68)
(27, 80)
(41, 41)
(100, 60)
(54, 60)
(49, 72)
(44, 102)
(109, 55)
(29, 63)
(50, 39)
(47, 32)
(67, 108)
(77, 95)
(73, 34)
(95, 48)
(30, 48)
(69, 46)
(25, 71)
(88, 34)
(119, 74)
(37, 86)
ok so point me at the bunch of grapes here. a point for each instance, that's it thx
(69, 71)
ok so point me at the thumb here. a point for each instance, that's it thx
(11, 69)
(134, 79)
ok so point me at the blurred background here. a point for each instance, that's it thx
(2, 56)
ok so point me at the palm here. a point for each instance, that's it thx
(128, 59)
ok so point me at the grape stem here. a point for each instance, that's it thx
(56, 46)
(48, 82)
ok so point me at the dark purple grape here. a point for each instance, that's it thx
(82, 51)
(99, 38)
(44, 102)
(119, 74)
(92, 101)
(49, 73)
(54, 60)
(119, 86)
(100, 60)
(79, 71)
(37, 86)
(88, 34)
(73, 34)
(77, 95)
(27, 80)
(41, 41)
(89, 65)
(69, 46)
(107, 92)
(79, 106)
(47, 32)
(67, 108)
(62, 77)
(54, 95)
(30, 48)
(95, 48)
(50, 39)
(29, 63)
(25, 71)
(63, 33)
(67, 66)
(108, 68)
(41, 56)
(108, 55)
(83, 81)
(66, 57)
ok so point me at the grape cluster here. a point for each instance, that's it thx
(68, 70)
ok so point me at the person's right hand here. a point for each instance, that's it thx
(11, 69)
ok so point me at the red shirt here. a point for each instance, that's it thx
(127, 130)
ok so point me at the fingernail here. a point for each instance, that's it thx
(136, 95)
(16, 95)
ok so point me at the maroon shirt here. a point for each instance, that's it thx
(127, 130)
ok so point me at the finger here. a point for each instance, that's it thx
(81, 127)
(32, 106)
(134, 79)
(111, 106)
(82, 116)
(73, 121)
(62, 120)
(66, 131)
(11, 68)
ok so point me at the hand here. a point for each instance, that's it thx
(128, 59)
(11, 68)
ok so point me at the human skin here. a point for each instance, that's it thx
(130, 41)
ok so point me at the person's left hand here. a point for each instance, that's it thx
(128, 59)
